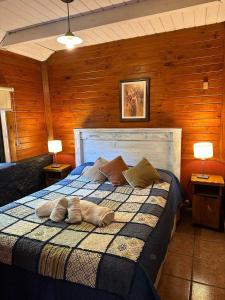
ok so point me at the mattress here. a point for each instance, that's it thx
(119, 261)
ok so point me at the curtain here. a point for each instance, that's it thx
(2, 152)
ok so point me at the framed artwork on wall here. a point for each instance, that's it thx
(135, 99)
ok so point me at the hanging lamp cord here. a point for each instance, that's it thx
(68, 15)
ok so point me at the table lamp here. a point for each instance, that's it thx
(203, 151)
(55, 146)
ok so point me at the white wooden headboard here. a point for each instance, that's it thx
(161, 146)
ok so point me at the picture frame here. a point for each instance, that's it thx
(134, 100)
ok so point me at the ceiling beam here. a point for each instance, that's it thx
(99, 18)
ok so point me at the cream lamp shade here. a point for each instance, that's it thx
(55, 146)
(5, 98)
(203, 150)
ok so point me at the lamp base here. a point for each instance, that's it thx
(203, 176)
(55, 165)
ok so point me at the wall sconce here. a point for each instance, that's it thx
(205, 83)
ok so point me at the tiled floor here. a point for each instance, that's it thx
(195, 265)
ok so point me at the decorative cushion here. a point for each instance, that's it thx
(113, 171)
(93, 172)
(142, 175)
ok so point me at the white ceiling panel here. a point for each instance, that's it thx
(22, 14)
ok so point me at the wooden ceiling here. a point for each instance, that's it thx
(20, 21)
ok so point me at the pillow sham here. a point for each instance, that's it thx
(113, 171)
(141, 175)
(93, 172)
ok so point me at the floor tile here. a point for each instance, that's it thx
(209, 250)
(209, 273)
(207, 292)
(182, 243)
(210, 235)
(178, 265)
(173, 288)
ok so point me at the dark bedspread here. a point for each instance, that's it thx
(43, 260)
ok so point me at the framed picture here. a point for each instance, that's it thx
(135, 99)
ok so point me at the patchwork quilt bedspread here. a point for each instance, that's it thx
(104, 258)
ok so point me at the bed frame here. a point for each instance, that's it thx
(162, 146)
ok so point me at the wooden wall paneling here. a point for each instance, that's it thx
(25, 76)
(222, 128)
(84, 84)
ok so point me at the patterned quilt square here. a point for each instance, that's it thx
(43, 233)
(124, 189)
(20, 228)
(53, 187)
(84, 226)
(129, 207)
(83, 179)
(159, 192)
(82, 267)
(121, 216)
(91, 186)
(148, 208)
(109, 203)
(8, 206)
(82, 192)
(26, 199)
(93, 199)
(40, 194)
(65, 181)
(137, 199)
(140, 231)
(162, 186)
(100, 194)
(68, 238)
(77, 184)
(52, 261)
(34, 218)
(117, 197)
(96, 242)
(113, 228)
(107, 187)
(157, 200)
(126, 247)
(66, 190)
(116, 278)
(7, 242)
(146, 219)
(142, 192)
(62, 224)
(53, 196)
(6, 220)
(35, 203)
(26, 254)
(20, 211)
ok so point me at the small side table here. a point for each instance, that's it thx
(52, 175)
(207, 200)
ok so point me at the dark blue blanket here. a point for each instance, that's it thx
(138, 274)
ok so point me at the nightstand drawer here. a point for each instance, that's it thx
(206, 210)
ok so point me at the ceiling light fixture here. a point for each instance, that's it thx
(69, 39)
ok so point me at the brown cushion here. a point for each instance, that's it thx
(142, 175)
(93, 172)
(113, 171)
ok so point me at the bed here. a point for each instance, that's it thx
(45, 260)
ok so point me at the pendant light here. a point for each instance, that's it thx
(69, 39)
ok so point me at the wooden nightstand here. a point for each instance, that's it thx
(53, 175)
(206, 201)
